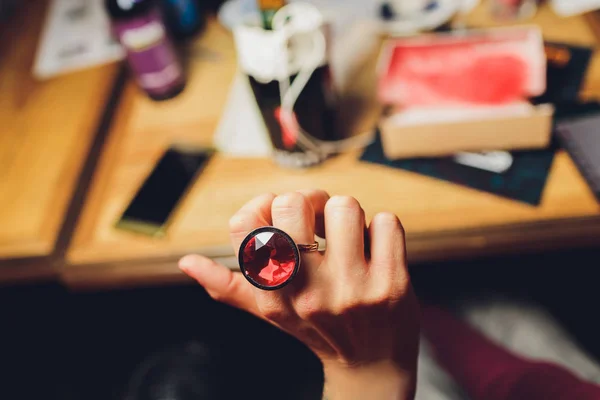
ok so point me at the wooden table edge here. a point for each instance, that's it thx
(43, 264)
(29, 270)
(450, 245)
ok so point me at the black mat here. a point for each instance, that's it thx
(524, 181)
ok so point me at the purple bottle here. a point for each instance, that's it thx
(150, 52)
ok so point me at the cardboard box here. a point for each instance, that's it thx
(406, 134)
(453, 93)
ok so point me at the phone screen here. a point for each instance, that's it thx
(150, 209)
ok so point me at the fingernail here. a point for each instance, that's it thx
(386, 217)
(186, 263)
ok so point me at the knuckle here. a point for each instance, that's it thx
(382, 297)
(346, 307)
(344, 203)
(337, 311)
(231, 284)
(225, 295)
(397, 291)
(381, 263)
(402, 285)
(309, 314)
(397, 296)
(375, 300)
(309, 307)
(217, 296)
(273, 311)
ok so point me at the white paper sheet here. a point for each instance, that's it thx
(567, 8)
(76, 35)
(242, 131)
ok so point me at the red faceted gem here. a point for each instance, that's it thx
(269, 258)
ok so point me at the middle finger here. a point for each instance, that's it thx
(345, 231)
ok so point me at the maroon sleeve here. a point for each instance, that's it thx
(488, 372)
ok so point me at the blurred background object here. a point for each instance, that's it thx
(395, 17)
(568, 8)
(151, 53)
(76, 35)
(580, 138)
(401, 17)
(267, 9)
(475, 85)
(288, 70)
(6, 8)
(183, 17)
(513, 9)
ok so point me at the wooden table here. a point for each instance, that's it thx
(442, 220)
(51, 131)
(46, 130)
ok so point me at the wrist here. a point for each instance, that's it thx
(380, 380)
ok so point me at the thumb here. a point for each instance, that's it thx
(221, 283)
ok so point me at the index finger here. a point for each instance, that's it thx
(254, 214)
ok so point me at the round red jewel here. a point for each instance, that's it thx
(268, 258)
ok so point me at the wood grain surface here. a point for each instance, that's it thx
(45, 132)
(442, 220)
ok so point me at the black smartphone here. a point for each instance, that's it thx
(153, 205)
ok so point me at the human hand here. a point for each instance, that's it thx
(353, 306)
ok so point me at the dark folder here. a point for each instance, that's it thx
(581, 138)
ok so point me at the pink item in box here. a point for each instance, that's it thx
(486, 67)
